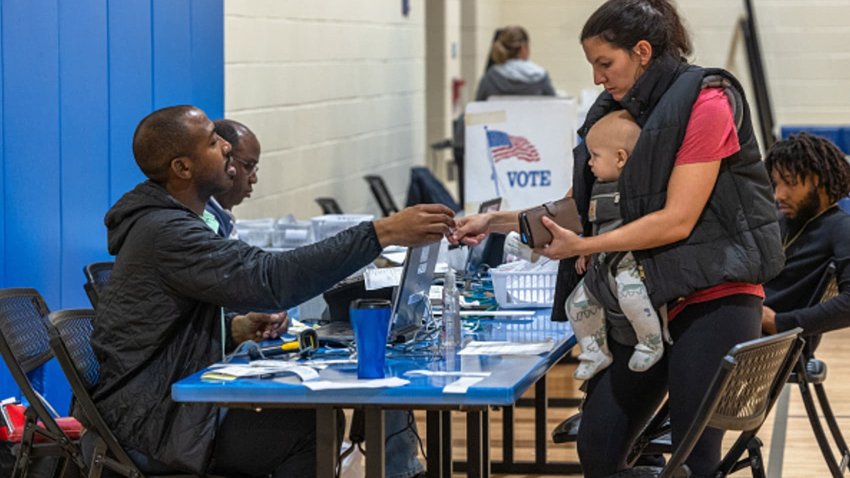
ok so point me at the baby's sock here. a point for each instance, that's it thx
(647, 352)
(594, 356)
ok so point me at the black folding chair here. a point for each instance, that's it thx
(70, 332)
(97, 274)
(745, 387)
(810, 373)
(382, 194)
(329, 206)
(24, 347)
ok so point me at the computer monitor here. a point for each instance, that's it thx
(410, 303)
(478, 254)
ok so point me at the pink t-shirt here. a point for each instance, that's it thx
(711, 136)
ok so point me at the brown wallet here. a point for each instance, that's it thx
(563, 211)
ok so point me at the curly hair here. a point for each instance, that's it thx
(803, 155)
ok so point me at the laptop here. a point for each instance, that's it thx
(481, 253)
(409, 304)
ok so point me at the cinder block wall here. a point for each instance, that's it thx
(334, 90)
(804, 45)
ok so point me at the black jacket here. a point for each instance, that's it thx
(159, 318)
(822, 240)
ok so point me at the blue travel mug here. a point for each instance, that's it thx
(370, 319)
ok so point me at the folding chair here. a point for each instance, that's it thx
(809, 373)
(745, 387)
(70, 332)
(382, 194)
(24, 347)
(329, 206)
(97, 274)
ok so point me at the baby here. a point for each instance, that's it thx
(610, 142)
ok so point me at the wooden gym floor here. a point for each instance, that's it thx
(802, 456)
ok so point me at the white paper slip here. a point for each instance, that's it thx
(305, 373)
(282, 364)
(496, 313)
(391, 382)
(465, 303)
(323, 364)
(435, 294)
(380, 278)
(394, 257)
(461, 385)
(445, 373)
(268, 369)
(507, 348)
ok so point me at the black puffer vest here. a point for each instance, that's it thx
(737, 237)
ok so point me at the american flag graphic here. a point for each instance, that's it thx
(504, 146)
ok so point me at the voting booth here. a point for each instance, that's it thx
(520, 149)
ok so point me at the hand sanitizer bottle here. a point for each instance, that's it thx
(451, 332)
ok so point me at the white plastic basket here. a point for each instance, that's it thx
(332, 224)
(524, 289)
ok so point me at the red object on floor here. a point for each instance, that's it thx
(13, 428)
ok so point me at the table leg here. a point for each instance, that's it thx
(327, 448)
(485, 441)
(446, 419)
(477, 449)
(540, 402)
(434, 428)
(375, 443)
(508, 434)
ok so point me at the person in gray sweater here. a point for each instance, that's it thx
(512, 72)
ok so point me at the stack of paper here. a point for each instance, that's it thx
(507, 348)
(258, 369)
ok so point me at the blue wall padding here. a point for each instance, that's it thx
(75, 79)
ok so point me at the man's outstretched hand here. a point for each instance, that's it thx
(415, 225)
(258, 326)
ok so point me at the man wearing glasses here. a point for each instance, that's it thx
(246, 158)
(401, 447)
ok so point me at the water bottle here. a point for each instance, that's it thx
(451, 312)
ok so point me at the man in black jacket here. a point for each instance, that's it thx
(161, 317)
(810, 175)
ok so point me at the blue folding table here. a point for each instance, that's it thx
(510, 377)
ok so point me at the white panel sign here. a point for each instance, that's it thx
(519, 148)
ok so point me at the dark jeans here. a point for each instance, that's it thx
(282, 443)
(620, 402)
(275, 441)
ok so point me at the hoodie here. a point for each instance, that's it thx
(159, 319)
(514, 77)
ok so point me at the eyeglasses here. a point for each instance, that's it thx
(251, 167)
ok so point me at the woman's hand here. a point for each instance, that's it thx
(564, 243)
(258, 326)
(470, 230)
(768, 320)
